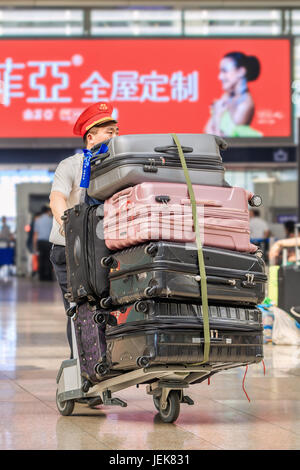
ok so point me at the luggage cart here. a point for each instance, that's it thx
(166, 383)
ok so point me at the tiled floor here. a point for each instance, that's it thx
(33, 344)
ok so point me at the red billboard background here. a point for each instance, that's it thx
(155, 85)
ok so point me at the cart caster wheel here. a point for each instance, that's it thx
(65, 408)
(171, 413)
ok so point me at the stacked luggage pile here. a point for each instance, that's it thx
(134, 261)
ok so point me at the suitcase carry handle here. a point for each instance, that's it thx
(202, 202)
(172, 149)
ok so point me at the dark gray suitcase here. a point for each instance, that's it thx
(289, 282)
(170, 270)
(154, 313)
(288, 287)
(85, 246)
(134, 159)
(154, 346)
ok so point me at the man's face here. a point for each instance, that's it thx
(102, 133)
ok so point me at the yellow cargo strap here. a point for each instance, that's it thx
(200, 252)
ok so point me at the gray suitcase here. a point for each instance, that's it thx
(134, 159)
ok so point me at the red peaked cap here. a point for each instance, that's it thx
(94, 114)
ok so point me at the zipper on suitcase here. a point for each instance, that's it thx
(92, 271)
(88, 274)
(118, 162)
(156, 327)
(167, 266)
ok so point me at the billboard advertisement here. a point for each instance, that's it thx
(236, 88)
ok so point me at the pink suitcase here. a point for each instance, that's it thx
(162, 211)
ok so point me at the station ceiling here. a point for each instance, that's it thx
(152, 3)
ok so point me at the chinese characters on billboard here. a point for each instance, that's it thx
(228, 87)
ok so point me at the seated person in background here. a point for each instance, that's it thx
(275, 253)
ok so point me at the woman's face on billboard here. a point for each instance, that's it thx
(229, 74)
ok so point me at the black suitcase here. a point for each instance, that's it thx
(289, 282)
(85, 246)
(145, 313)
(134, 159)
(288, 287)
(170, 270)
(154, 346)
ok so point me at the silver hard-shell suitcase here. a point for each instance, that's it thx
(133, 159)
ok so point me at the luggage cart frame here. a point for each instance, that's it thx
(166, 383)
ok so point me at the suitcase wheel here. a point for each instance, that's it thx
(108, 262)
(150, 291)
(86, 386)
(101, 368)
(141, 307)
(99, 318)
(151, 249)
(71, 311)
(106, 303)
(142, 361)
(255, 201)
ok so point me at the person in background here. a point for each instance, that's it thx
(5, 233)
(259, 228)
(41, 245)
(29, 241)
(289, 228)
(275, 253)
(259, 232)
